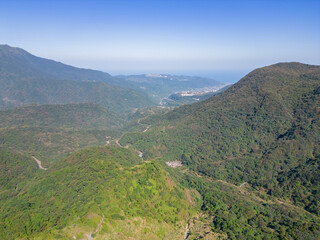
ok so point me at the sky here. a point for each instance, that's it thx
(222, 39)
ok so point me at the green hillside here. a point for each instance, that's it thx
(83, 115)
(51, 131)
(27, 79)
(263, 131)
(15, 168)
(49, 144)
(103, 192)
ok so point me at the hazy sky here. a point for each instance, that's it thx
(190, 36)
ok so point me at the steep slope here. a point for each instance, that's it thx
(257, 131)
(99, 192)
(26, 79)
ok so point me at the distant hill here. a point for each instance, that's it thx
(162, 85)
(27, 79)
(16, 61)
(263, 130)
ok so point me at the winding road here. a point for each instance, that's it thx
(118, 144)
(39, 163)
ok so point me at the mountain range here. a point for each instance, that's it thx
(243, 164)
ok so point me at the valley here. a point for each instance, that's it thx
(105, 161)
(161, 86)
(160, 120)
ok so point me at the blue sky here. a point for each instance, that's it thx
(223, 39)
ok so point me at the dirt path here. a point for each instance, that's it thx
(242, 184)
(39, 163)
(117, 142)
(254, 196)
(99, 227)
(187, 232)
(147, 128)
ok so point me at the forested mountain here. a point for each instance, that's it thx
(27, 79)
(271, 108)
(264, 131)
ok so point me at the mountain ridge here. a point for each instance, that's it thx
(40, 63)
(27, 79)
